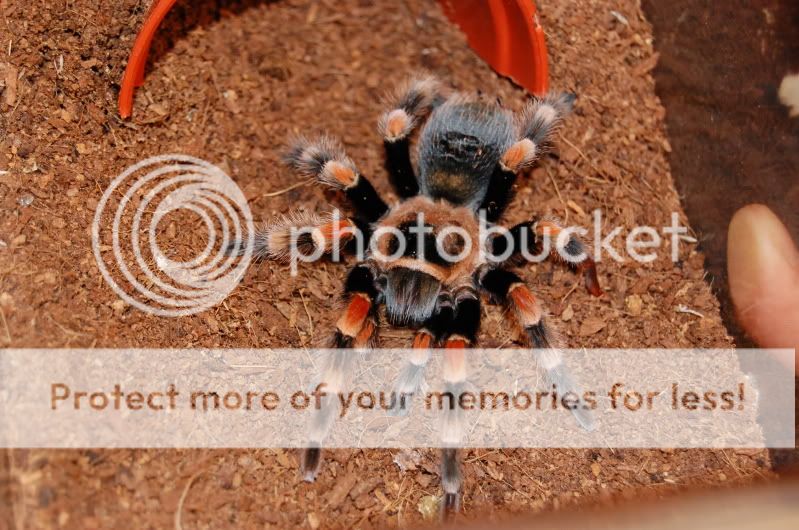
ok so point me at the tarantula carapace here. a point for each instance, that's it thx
(469, 153)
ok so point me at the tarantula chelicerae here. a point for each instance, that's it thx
(469, 153)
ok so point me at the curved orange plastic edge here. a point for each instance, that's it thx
(505, 33)
(134, 72)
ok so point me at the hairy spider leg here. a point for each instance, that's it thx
(462, 334)
(530, 235)
(536, 125)
(509, 289)
(356, 328)
(308, 235)
(325, 160)
(409, 106)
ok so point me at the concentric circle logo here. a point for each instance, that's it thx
(181, 235)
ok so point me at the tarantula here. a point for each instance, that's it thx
(469, 153)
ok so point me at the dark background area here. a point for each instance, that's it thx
(733, 142)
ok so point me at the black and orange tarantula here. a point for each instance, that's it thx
(469, 154)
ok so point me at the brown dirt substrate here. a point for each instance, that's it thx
(229, 85)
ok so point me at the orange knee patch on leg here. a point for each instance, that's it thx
(364, 337)
(526, 305)
(519, 155)
(338, 173)
(422, 340)
(340, 230)
(354, 317)
(456, 343)
(396, 125)
(588, 268)
(422, 343)
(547, 228)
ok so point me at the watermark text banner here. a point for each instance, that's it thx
(78, 398)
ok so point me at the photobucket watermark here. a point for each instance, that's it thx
(336, 235)
(173, 276)
(133, 213)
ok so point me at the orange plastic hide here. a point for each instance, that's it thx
(505, 33)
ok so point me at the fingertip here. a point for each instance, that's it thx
(763, 267)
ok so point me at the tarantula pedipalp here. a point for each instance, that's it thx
(469, 154)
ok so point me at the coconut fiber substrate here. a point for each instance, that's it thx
(230, 82)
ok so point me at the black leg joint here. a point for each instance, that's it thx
(366, 200)
(497, 282)
(499, 194)
(520, 236)
(539, 337)
(400, 170)
(440, 323)
(340, 341)
(364, 229)
(361, 280)
(467, 319)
